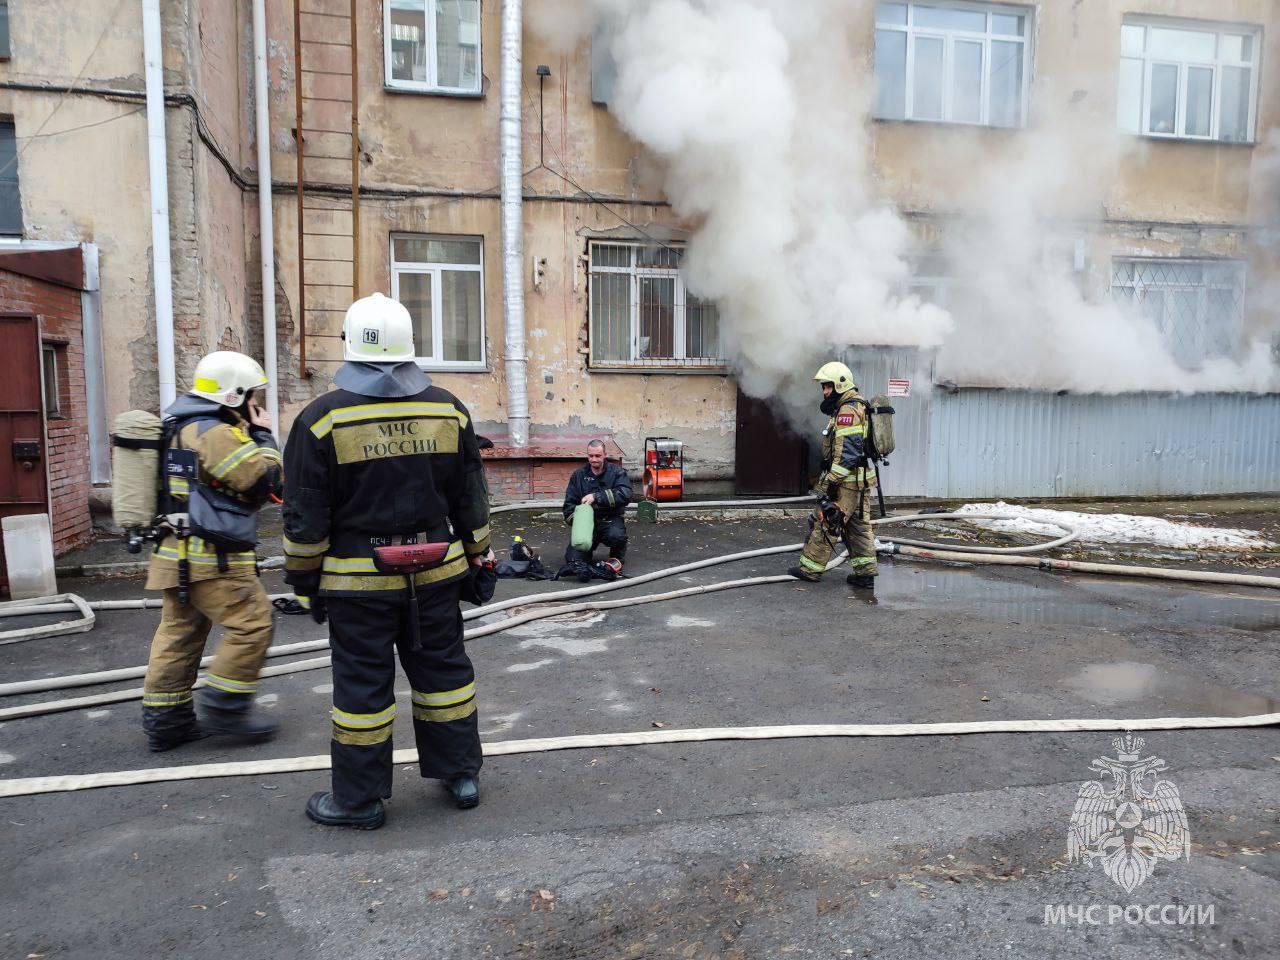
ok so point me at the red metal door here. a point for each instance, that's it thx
(24, 487)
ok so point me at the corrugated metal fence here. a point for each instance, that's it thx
(989, 443)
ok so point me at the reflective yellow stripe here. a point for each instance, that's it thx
(366, 564)
(432, 715)
(336, 582)
(293, 548)
(851, 431)
(861, 561)
(179, 487)
(207, 385)
(446, 698)
(229, 685)
(234, 459)
(362, 721)
(481, 534)
(204, 559)
(839, 471)
(361, 738)
(378, 411)
(813, 565)
(166, 699)
(303, 563)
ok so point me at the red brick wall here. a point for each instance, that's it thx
(68, 455)
(528, 479)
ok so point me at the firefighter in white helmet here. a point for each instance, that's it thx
(386, 459)
(844, 487)
(221, 464)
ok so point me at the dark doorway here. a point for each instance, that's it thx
(23, 485)
(770, 457)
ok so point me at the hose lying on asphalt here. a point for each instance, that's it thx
(29, 786)
(895, 545)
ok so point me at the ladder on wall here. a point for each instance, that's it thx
(327, 142)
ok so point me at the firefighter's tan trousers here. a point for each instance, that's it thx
(237, 602)
(855, 503)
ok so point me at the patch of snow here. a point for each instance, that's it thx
(1114, 528)
(574, 647)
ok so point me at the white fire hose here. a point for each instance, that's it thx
(897, 545)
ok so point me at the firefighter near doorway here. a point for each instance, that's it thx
(386, 525)
(844, 488)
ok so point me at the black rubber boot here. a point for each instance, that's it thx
(800, 573)
(464, 790)
(169, 727)
(325, 810)
(861, 581)
(224, 714)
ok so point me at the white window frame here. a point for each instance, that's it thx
(948, 38)
(433, 68)
(1218, 28)
(680, 361)
(399, 268)
(1202, 290)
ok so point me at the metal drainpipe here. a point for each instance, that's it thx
(266, 226)
(513, 227)
(157, 162)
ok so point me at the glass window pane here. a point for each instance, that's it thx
(966, 82)
(1235, 48)
(892, 13)
(51, 408)
(415, 294)
(10, 197)
(1222, 323)
(1164, 99)
(1007, 24)
(460, 292)
(1132, 40)
(434, 250)
(408, 49)
(610, 317)
(458, 44)
(701, 329)
(657, 318)
(891, 74)
(1233, 125)
(948, 19)
(1199, 101)
(927, 80)
(1129, 100)
(1181, 44)
(658, 257)
(1006, 83)
(610, 255)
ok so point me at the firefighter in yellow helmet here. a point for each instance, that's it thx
(844, 488)
(221, 464)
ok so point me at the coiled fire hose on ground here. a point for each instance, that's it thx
(897, 545)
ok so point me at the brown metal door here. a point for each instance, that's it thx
(770, 457)
(23, 485)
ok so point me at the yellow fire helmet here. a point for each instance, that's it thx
(836, 373)
(226, 377)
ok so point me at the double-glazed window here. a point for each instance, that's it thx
(1198, 305)
(440, 280)
(1180, 79)
(433, 45)
(952, 62)
(641, 313)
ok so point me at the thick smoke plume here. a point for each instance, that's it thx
(759, 113)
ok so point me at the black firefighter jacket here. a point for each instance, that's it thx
(612, 489)
(368, 472)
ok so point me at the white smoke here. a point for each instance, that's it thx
(758, 111)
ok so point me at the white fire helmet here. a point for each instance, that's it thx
(835, 372)
(227, 377)
(377, 329)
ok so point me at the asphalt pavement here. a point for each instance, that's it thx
(905, 847)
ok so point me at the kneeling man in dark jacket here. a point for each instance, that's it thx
(607, 489)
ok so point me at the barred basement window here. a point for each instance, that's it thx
(432, 45)
(1180, 78)
(440, 280)
(1198, 305)
(641, 315)
(953, 62)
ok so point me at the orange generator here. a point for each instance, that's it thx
(663, 469)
